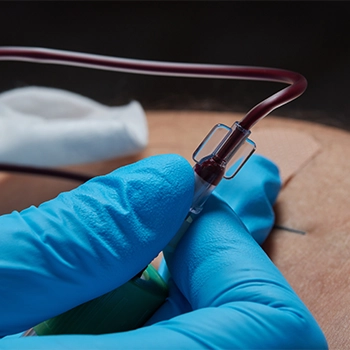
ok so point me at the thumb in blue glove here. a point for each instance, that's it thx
(89, 241)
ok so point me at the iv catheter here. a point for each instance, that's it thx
(224, 147)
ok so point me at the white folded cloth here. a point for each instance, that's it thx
(51, 127)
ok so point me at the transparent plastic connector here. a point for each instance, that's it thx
(213, 142)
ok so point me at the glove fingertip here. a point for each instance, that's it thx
(252, 193)
(269, 176)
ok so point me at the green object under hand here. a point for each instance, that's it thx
(125, 308)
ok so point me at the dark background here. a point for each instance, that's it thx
(312, 38)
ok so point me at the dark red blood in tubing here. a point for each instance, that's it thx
(210, 170)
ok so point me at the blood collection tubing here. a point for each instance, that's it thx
(297, 83)
(211, 161)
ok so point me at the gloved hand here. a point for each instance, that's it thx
(224, 292)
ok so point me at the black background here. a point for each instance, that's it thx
(312, 38)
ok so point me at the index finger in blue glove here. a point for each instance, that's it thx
(233, 294)
(89, 241)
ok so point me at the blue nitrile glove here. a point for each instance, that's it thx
(225, 292)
